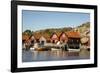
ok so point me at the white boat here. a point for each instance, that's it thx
(32, 48)
(73, 50)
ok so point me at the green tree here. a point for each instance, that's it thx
(29, 32)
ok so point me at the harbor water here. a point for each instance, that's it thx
(56, 55)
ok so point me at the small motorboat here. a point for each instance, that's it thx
(32, 48)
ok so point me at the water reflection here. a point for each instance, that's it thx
(30, 56)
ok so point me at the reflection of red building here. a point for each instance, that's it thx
(63, 38)
(54, 38)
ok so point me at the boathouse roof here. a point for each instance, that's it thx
(73, 34)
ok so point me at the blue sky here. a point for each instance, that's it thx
(38, 20)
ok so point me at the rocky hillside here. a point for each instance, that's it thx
(84, 29)
(54, 30)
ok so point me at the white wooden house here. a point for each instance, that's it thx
(42, 40)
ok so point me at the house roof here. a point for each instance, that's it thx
(57, 34)
(36, 35)
(73, 34)
(46, 36)
(62, 34)
(39, 35)
(25, 37)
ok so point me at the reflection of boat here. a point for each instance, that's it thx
(55, 49)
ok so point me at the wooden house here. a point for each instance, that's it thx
(73, 39)
(42, 40)
(47, 37)
(25, 42)
(54, 38)
(63, 38)
(25, 37)
(32, 40)
(37, 36)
